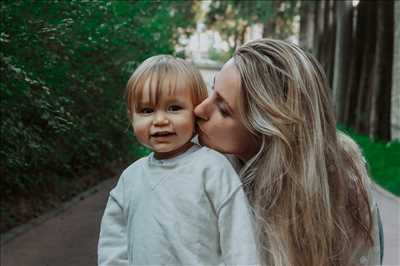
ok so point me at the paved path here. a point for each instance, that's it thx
(70, 237)
(67, 239)
(389, 207)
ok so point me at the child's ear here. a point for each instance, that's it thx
(132, 124)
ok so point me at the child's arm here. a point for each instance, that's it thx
(237, 231)
(236, 226)
(112, 246)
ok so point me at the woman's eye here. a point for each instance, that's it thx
(223, 111)
(174, 108)
(146, 110)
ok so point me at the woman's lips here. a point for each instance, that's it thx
(201, 135)
(200, 131)
(198, 128)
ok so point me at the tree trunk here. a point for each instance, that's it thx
(324, 35)
(359, 16)
(342, 55)
(269, 28)
(332, 43)
(363, 101)
(307, 11)
(382, 77)
(376, 74)
(395, 112)
(329, 45)
(235, 36)
(242, 34)
(319, 28)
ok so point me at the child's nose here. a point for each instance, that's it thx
(160, 118)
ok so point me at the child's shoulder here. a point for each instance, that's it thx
(135, 166)
(221, 178)
(210, 154)
(213, 158)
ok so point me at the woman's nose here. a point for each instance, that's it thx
(160, 118)
(202, 110)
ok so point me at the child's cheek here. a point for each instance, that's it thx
(141, 130)
(188, 124)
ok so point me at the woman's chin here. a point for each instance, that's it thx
(202, 141)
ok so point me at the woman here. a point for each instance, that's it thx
(306, 182)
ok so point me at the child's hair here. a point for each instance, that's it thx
(164, 73)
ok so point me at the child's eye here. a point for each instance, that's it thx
(146, 110)
(174, 108)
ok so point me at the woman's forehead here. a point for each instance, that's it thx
(229, 73)
(227, 83)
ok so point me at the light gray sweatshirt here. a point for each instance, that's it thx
(188, 210)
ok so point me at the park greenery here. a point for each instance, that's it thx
(382, 160)
(64, 67)
(232, 19)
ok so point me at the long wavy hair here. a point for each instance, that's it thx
(307, 184)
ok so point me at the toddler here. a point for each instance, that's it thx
(183, 204)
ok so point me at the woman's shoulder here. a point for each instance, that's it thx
(350, 146)
(358, 166)
(353, 157)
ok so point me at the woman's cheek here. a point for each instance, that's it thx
(223, 136)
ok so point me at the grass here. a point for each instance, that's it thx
(383, 160)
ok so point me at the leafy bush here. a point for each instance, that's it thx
(64, 66)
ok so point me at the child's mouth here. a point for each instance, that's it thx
(162, 134)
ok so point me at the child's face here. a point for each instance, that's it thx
(167, 126)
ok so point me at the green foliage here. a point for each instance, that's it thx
(231, 18)
(64, 66)
(383, 161)
(219, 55)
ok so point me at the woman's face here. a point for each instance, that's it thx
(219, 124)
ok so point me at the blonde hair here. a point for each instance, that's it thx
(307, 182)
(164, 73)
